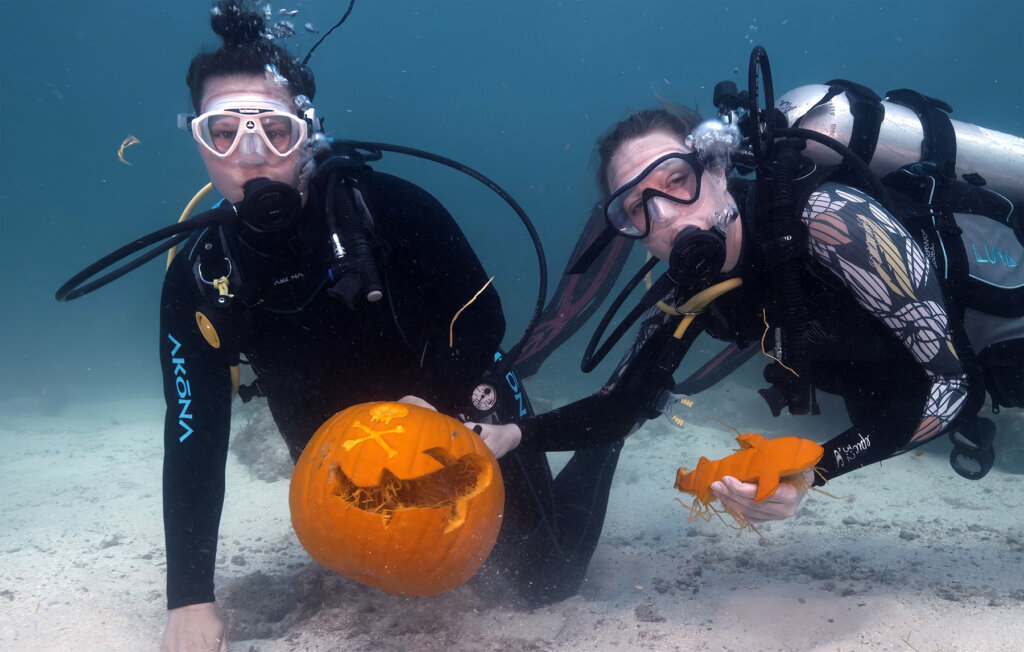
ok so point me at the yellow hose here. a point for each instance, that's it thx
(185, 214)
(698, 302)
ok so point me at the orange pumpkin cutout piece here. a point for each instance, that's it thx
(758, 459)
(399, 497)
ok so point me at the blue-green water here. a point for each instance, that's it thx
(518, 90)
(910, 556)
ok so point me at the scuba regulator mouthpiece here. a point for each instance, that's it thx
(269, 206)
(697, 256)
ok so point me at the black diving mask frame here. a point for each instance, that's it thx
(677, 177)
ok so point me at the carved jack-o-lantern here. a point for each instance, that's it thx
(398, 497)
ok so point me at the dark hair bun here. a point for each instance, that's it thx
(247, 50)
(236, 24)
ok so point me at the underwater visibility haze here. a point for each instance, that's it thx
(518, 90)
(91, 158)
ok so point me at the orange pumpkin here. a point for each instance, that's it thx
(398, 497)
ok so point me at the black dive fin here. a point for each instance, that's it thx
(727, 361)
(577, 295)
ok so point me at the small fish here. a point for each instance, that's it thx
(125, 144)
(312, 30)
(288, 12)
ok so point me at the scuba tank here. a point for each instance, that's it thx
(904, 128)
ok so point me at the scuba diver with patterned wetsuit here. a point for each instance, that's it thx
(876, 329)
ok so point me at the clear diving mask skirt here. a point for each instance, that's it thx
(253, 130)
(674, 178)
(671, 179)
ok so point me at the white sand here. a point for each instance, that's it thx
(909, 557)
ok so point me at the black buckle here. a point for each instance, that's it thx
(973, 455)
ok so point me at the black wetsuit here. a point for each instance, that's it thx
(314, 356)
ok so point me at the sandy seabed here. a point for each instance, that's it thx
(907, 556)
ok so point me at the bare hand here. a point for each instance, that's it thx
(500, 438)
(416, 400)
(195, 628)
(738, 497)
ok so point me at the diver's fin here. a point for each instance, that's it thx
(577, 295)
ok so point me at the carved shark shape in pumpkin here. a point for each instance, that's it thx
(449, 487)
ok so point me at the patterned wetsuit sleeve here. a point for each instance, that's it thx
(197, 391)
(851, 235)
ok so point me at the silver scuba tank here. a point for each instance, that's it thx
(997, 157)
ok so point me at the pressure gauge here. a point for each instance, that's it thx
(484, 397)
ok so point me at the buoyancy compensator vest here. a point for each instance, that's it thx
(959, 190)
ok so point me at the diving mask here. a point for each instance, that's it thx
(254, 124)
(671, 179)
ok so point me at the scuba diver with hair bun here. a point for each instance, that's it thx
(337, 285)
